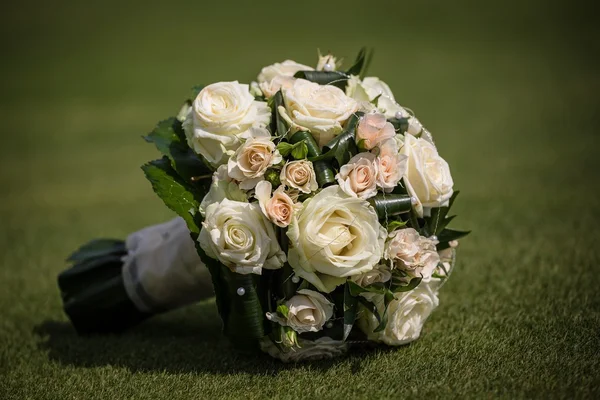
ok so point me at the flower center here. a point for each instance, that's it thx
(338, 236)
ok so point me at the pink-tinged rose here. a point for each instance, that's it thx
(358, 178)
(251, 160)
(373, 129)
(414, 254)
(278, 208)
(391, 166)
(299, 175)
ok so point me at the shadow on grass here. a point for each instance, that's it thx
(182, 341)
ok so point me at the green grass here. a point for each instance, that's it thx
(510, 91)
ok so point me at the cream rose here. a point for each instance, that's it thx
(371, 88)
(299, 175)
(279, 208)
(374, 129)
(406, 315)
(279, 76)
(334, 236)
(222, 187)
(379, 273)
(308, 311)
(240, 237)
(427, 176)
(251, 160)
(220, 119)
(414, 254)
(391, 166)
(320, 109)
(358, 178)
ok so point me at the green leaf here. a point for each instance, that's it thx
(323, 171)
(284, 148)
(169, 139)
(356, 289)
(283, 310)
(387, 298)
(281, 127)
(342, 147)
(335, 78)
(389, 205)
(448, 235)
(195, 90)
(178, 195)
(350, 309)
(300, 150)
(244, 322)
(394, 225)
(359, 63)
(372, 308)
(305, 136)
(414, 282)
(413, 220)
(438, 221)
(97, 248)
(400, 124)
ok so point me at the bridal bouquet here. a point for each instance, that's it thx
(318, 204)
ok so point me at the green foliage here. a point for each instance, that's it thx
(178, 195)
(361, 64)
(400, 124)
(448, 235)
(350, 310)
(169, 139)
(342, 147)
(280, 126)
(438, 219)
(298, 150)
(394, 225)
(389, 205)
(335, 78)
(283, 310)
(195, 90)
(323, 170)
(245, 322)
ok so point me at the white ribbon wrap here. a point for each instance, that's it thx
(162, 270)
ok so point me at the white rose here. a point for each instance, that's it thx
(279, 75)
(427, 176)
(286, 68)
(391, 166)
(334, 236)
(414, 254)
(406, 315)
(371, 88)
(308, 311)
(251, 160)
(221, 117)
(320, 109)
(444, 269)
(240, 237)
(358, 178)
(222, 187)
(279, 208)
(379, 273)
(299, 175)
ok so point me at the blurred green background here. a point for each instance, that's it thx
(509, 90)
